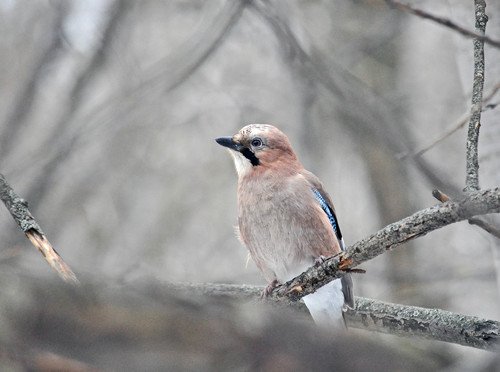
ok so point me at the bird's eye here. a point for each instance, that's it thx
(256, 142)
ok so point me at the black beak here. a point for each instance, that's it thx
(229, 143)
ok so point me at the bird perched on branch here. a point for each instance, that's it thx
(286, 219)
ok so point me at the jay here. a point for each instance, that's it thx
(286, 219)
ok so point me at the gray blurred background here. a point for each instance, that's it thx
(108, 111)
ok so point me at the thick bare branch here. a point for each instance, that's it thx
(444, 22)
(472, 162)
(378, 316)
(18, 208)
(393, 235)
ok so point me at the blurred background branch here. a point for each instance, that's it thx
(378, 316)
(446, 22)
(154, 326)
(455, 127)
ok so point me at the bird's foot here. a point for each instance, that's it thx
(269, 288)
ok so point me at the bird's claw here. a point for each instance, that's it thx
(269, 288)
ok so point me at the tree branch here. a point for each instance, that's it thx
(13, 124)
(485, 226)
(444, 22)
(472, 163)
(393, 235)
(442, 197)
(18, 208)
(455, 127)
(378, 316)
(431, 324)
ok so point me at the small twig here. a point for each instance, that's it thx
(455, 127)
(472, 163)
(18, 208)
(442, 197)
(444, 22)
(485, 226)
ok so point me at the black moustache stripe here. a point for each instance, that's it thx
(247, 153)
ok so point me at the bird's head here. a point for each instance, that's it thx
(259, 146)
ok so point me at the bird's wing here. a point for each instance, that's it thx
(321, 199)
(326, 204)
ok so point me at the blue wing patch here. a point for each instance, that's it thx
(329, 212)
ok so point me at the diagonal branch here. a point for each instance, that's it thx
(18, 208)
(393, 235)
(378, 316)
(13, 124)
(485, 226)
(455, 127)
(472, 162)
(444, 22)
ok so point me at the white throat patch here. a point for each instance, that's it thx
(242, 164)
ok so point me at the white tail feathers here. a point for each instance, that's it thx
(326, 306)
